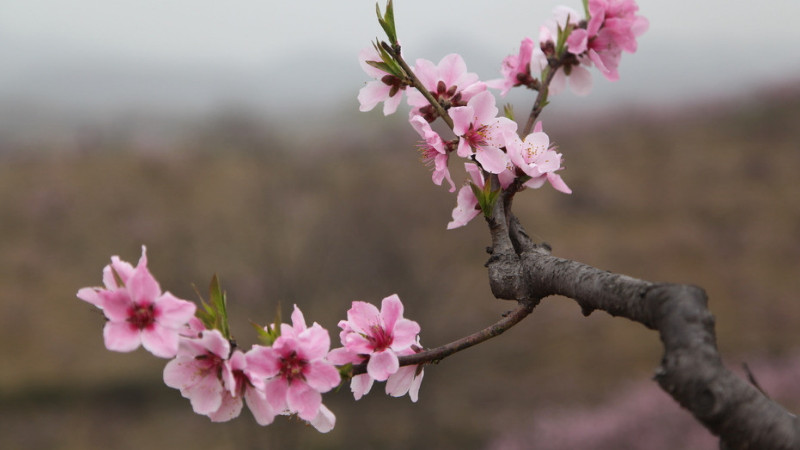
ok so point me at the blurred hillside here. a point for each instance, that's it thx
(707, 196)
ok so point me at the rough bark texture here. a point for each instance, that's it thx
(691, 369)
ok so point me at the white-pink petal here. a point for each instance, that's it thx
(324, 421)
(492, 159)
(371, 94)
(382, 364)
(229, 408)
(303, 400)
(391, 311)
(259, 406)
(90, 295)
(360, 385)
(121, 336)
(321, 376)
(160, 341)
(405, 334)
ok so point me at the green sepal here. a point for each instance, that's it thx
(268, 335)
(387, 63)
(214, 313)
(508, 111)
(487, 197)
(561, 40)
(387, 22)
(586, 9)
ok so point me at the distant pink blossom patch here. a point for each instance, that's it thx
(612, 28)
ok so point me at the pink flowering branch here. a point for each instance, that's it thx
(434, 355)
(394, 51)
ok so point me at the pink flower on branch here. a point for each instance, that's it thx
(386, 87)
(434, 151)
(448, 82)
(378, 335)
(214, 383)
(480, 130)
(516, 69)
(407, 379)
(612, 28)
(295, 371)
(138, 312)
(537, 159)
(466, 203)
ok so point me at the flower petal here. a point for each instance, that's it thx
(324, 421)
(391, 310)
(121, 337)
(229, 408)
(259, 406)
(382, 364)
(160, 341)
(322, 376)
(303, 400)
(360, 385)
(173, 312)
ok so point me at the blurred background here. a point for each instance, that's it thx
(226, 137)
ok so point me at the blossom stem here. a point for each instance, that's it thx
(394, 53)
(511, 318)
(541, 98)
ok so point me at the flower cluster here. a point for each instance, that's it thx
(378, 338)
(285, 377)
(567, 46)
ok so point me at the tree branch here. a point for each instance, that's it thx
(511, 318)
(691, 369)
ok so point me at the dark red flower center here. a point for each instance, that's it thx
(379, 338)
(292, 367)
(141, 316)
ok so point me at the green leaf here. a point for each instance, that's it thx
(387, 22)
(219, 302)
(586, 9)
(508, 111)
(265, 336)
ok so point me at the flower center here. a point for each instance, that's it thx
(380, 339)
(292, 367)
(141, 316)
(476, 137)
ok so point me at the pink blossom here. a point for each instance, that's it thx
(407, 379)
(537, 159)
(580, 79)
(479, 128)
(360, 384)
(214, 383)
(294, 369)
(386, 87)
(612, 28)
(433, 151)
(466, 203)
(516, 69)
(378, 335)
(448, 82)
(137, 311)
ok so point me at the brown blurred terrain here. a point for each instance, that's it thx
(707, 196)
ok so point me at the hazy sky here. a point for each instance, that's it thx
(191, 53)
